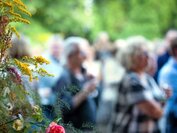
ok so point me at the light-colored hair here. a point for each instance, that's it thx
(55, 39)
(55, 44)
(102, 42)
(20, 47)
(70, 45)
(171, 34)
(133, 47)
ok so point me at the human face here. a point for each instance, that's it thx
(140, 60)
(56, 50)
(77, 57)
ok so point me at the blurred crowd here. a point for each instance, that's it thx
(125, 86)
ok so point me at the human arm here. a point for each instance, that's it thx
(167, 81)
(143, 99)
(83, 94)
(70, 94)
(151, 108)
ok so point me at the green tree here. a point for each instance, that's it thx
(120, 18)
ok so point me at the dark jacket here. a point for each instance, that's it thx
(67, 87)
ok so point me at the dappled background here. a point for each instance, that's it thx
(120, 18)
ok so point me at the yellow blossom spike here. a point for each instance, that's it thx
(18, 19)
(44, 72)
(24, 11)
(41, 60)
(19, 3)
(14, 14)
(7, 4)
(24, 67)
(15, 31)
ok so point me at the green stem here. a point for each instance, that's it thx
(8, 122)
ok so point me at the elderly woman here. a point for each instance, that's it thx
(138, 105)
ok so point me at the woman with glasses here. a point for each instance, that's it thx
(138, 106)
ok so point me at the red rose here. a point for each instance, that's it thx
(54, 128)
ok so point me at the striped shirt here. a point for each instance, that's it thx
(127, 117)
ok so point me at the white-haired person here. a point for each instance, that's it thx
(45, 84)
(138, 105)
(75, 88)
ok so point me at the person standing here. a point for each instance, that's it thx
(163, 58)
(45, 84)
(138, 106)
(75, 88)
(168, 78)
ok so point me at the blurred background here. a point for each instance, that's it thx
(86, 18)
(84, 38)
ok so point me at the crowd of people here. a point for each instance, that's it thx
(125, 86)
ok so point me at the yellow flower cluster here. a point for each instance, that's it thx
(18, 2)
(14, 14)
(24, 67)
(18, 19)
(14, 96)
(41, 60)
(24, 11)
(12, 9)
(43, 72)
(14, 4)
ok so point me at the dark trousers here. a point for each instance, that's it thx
(49, 112)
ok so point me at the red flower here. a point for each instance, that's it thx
(54, 128)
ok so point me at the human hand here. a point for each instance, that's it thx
(90, 86)
(167, 90)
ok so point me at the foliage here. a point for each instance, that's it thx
(149, 18)
(62, 15)
(120, 18)
(17, 114)
(41, 35)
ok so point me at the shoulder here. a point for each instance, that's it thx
(63, 81)
(164, 56)
(165, 70)
(130, 77)
(149, 76)
(165, 73)
(65, 73)
(130, 82)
